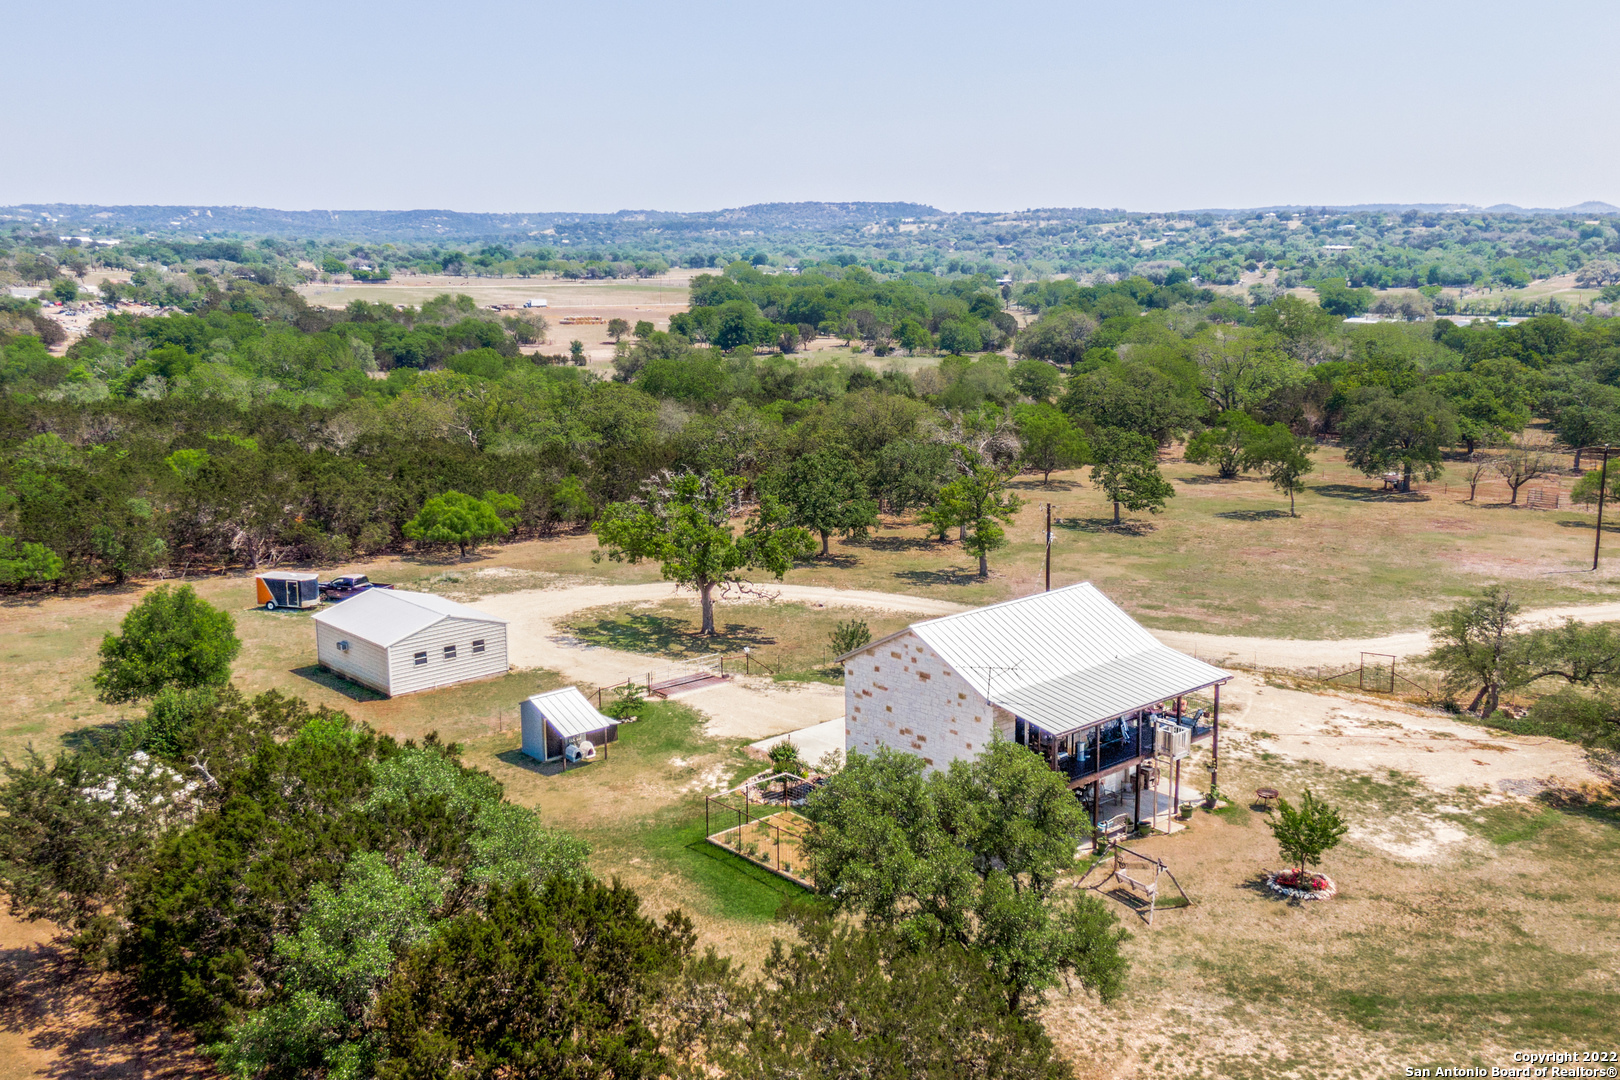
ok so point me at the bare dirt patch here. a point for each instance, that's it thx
(59, 1018)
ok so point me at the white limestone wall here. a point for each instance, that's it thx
(899, 693)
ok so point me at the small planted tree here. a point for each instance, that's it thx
(785, 758)
(848, 636)
(171, 638)
(576, 351)
(627, 701)
(1304, 834)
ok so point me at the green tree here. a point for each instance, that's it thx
(847, 1002)
(978, 503)
(825, 492)
(617, 328)
(1475, 646)
(1222, 445)
(1591, 417)
(171, 638)
(1337, 298)
(554, 981)
(1242, 368)
(1281, 456)
(643, 330)
(65, 289)
(66, 856)
(1059, 337)
(1307, 832)
(914, 337)
(456, 518)
(1382, 432)
(1036, 379)
(1585, 491)
(972, 856)
(1125, 466)
(1049, 439)
(576, 351)
(849, 635)
(27, 564)
(683, 523)
(344, 949)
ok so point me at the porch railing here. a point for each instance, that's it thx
(1089, 760)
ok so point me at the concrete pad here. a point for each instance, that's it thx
(813, 742)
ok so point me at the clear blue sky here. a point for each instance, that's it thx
(602, 105)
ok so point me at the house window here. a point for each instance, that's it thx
(478, 646)
(419, 659)
(449, 652)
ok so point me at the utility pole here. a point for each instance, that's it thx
(1048, 541)
(1603, 490)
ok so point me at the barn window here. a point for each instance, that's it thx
(419, 659)
(449, 652)
(478, 646)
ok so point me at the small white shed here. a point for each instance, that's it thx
(399, 642)
(558, 719)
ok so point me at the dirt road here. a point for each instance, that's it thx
(1340, 730)
(750, 708)
(1301, 653)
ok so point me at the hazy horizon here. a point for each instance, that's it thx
(633, 105)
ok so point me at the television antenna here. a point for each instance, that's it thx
(990, 671)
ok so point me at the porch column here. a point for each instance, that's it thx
(1175, 797)
(1215, 743)
(1136, 818)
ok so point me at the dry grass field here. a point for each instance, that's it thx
(653, 299)
(1470, 920)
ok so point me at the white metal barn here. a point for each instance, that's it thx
(559, 719)
(399, 642)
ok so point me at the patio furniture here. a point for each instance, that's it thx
(1267, 796)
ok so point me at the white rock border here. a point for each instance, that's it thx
(1292, 893)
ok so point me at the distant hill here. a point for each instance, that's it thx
(1422, 208)
(453, 225)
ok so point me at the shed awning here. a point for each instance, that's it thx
(570, 712)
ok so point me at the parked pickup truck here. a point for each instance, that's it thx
(341, 588)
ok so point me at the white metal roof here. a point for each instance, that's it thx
(570, 712)
(1063, 659)
(386, 616)
(288, 575)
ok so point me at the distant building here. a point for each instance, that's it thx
(399, 642)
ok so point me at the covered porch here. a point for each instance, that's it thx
(1116, 760)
